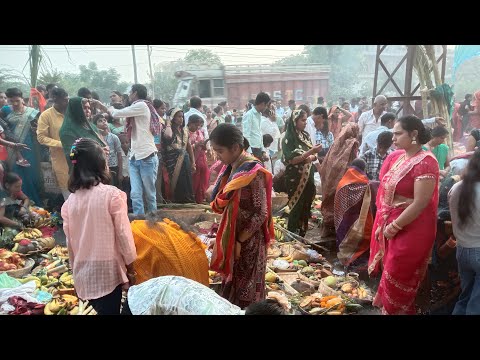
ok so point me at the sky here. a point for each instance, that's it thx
(14, 57)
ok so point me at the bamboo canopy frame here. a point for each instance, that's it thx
(422, 60)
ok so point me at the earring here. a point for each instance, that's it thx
(414, 141)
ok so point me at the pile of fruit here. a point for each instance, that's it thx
(316, 304)
(31, 240)
(214, 277)
(355, 291)
(10, 260)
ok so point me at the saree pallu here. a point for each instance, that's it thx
(165, 249)
(301, 193)
(341, 154)
(353, 216)
(226, 201)
(405, 256)
(32, 184)
(244, 200)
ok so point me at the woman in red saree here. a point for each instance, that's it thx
(242, 194)
(406, 220)
(201, 176)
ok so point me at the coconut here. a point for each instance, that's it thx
(330, 281)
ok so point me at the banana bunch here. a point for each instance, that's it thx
(279, 221)
(288, 258)
(40, 221)
(59, 251)
(46, 243)
(279, 235)
(28, 233)
(66, 279)
(63, 305)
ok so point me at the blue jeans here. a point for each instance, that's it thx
(469, 270)
(143, 174)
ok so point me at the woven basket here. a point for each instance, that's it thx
(306, 279)
(23, 271)
(326, 290)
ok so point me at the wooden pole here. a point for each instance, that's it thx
(407, 107)
(134, 65)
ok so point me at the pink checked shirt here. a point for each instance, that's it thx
(99, 239)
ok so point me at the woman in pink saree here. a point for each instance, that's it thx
(405, 224)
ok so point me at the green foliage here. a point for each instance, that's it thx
(165, 81)
(101, 81)
(202, 56)
(8, 80)
(346, 62)
(467, 79)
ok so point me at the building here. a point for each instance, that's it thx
(239, 83)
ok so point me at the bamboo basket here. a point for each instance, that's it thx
(19, 273)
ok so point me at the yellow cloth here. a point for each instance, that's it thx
(48, 134)
(165, 249)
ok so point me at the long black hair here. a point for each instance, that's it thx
(411, 123)
(228, 135)
(89, 165)
(467, 192)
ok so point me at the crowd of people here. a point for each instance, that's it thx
(385, 186)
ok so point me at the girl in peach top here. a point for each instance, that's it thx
(99, 238)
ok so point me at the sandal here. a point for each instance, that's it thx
(23, 163)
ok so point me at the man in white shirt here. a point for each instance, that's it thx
(195, 106)
(251, 123)
(269, 126)
(143, 165)
(387, 123)
(369, 142)
(370, 120)
(291, 107)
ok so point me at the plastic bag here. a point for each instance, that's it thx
(8, 282)
(43, 296)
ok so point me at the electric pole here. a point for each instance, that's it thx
(152, 79)
(134, 65)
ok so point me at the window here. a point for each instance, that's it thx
(299, 94)
(204, 89)
(218, 87)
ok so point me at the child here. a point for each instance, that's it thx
(376, 156)
(125, 185)
(99, 238)
(115, 160)
(267, 161)
(14, 204)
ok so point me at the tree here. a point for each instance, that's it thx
(346, 62)
(53, 77)
(165, 81)
(202, 56)
(467, 79)
(101, 81)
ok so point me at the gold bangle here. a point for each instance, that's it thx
(132, 274)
